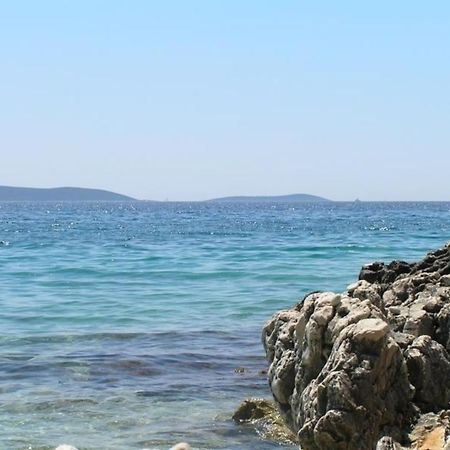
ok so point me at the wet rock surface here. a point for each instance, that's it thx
(264, 416)
(360, 370)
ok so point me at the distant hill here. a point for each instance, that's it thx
(17, 194)
(292, 198)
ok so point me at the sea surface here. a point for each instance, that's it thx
(137, 325)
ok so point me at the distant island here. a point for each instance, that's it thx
(71, 194)
(60, 194)
(292, 198)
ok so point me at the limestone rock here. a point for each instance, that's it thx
(181, 446)
(355, 371)
(431, 432)
(387, 443)
(253, 409)
(265, 417)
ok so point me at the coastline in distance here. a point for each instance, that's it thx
(17, 194)
(13, 193)
(273, 198)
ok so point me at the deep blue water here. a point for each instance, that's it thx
(122, 324)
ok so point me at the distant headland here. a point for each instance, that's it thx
(292, 198)
(60, 194)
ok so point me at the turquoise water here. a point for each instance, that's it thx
(123, 324)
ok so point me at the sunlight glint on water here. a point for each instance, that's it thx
(122, 324)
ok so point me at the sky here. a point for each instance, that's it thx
(190, 100)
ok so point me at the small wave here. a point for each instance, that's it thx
(159, 336)
(59, 404)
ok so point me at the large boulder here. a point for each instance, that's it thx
(357, 370)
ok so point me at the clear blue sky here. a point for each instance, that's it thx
(198, 99)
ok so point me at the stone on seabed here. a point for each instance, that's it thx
(181, 446)
(266, 419)
(368, 369)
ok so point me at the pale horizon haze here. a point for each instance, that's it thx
(191, 100)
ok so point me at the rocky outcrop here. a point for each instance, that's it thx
(358, 370)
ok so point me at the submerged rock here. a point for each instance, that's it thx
(358, 370)
(265, 418)
(253, 409)
(181, 446)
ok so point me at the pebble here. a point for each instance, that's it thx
(181, 446)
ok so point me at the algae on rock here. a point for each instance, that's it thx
(264, 416)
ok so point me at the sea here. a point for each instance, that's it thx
(136, 325)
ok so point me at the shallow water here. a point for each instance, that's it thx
(123, 324)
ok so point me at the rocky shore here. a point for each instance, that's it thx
(368, 368)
